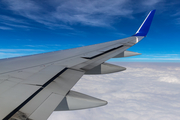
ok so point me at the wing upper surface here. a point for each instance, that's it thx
(16, 90)
(47, 100)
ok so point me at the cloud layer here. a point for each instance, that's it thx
(145, 91)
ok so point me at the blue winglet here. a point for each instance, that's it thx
(144, 28)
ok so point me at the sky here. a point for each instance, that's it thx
(145, 91)
(36, 26)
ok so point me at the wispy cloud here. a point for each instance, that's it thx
(7, 53)
(35, 49)
(151, 3)
(94, 13)
(19, 50)
(16, 25)
(53, 47)
(33, 11)
(5, 28)
(5, 18)
(63, 14)
(152, 58)
(155, 59)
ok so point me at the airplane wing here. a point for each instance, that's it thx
(32, 87)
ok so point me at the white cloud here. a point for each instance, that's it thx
(169, 79)
(145, 91)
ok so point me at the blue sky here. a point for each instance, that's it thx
(36, 26)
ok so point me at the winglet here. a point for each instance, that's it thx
(144, 28)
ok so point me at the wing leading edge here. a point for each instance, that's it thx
(34, 86)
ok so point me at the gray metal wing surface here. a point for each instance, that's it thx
(32, 87)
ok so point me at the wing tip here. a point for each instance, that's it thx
(144, 28)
